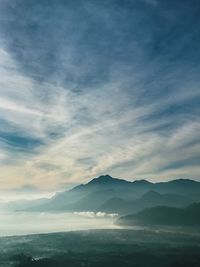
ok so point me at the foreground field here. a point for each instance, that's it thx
(103, 248)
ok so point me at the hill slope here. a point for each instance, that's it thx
(189, 216)
(101, 194)
(149, 199)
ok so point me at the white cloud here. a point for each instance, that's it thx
(105, 124)
(96, 214)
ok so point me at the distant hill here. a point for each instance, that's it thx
(23, 204)
(161, 215)
(180, 186)
(109, 194)
(149, 199)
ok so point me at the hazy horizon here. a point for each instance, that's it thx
(13, 224)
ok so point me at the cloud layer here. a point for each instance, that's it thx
(93, 87)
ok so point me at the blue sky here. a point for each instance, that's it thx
(93, 87)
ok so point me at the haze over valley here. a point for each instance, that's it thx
(106, 202)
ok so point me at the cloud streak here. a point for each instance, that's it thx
(94, 87)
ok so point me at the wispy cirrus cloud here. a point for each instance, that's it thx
(94, 87)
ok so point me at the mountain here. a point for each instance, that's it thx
(161, 215)
(110, 194)
(88, 197)
(108, 181)
(23, 204)
(186, 187)
(153, 198)
(116, 205)
(149, 199)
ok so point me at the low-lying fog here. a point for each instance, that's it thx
(22, 223)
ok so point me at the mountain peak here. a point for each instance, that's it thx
(105, 179)
(102, 179)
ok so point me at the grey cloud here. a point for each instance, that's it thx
(93, 87)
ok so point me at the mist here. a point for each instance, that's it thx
(25, 223)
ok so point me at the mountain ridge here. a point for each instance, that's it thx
(93, 195)
(164, 215)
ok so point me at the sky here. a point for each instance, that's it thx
(90, 87)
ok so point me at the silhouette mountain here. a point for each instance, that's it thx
(107, 180)
(109, 194)
(149, 199)
(161, 215)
